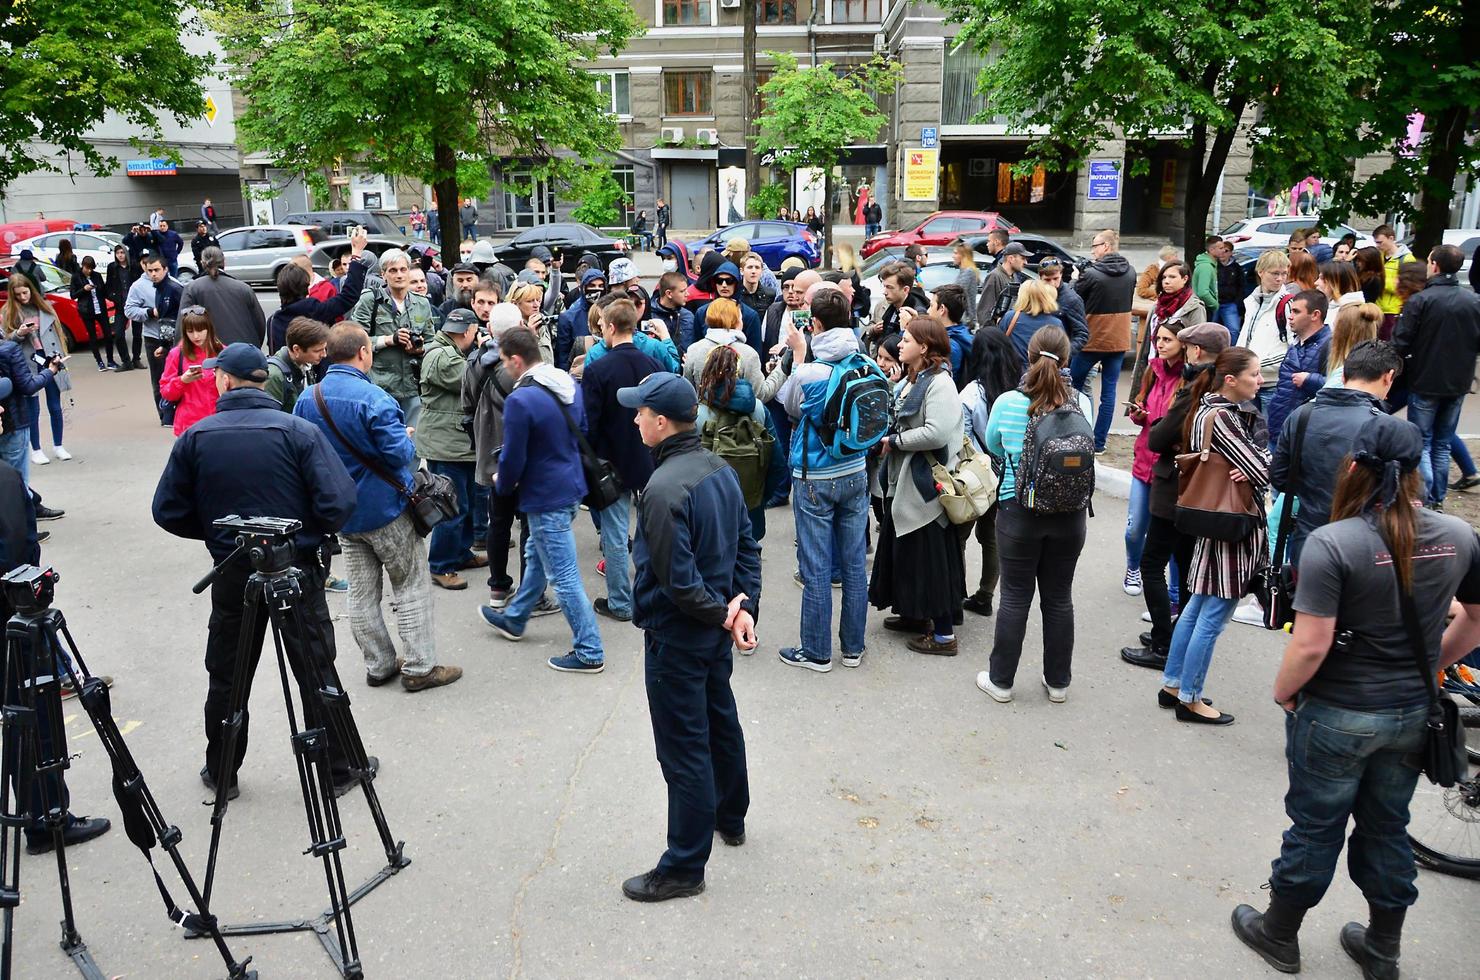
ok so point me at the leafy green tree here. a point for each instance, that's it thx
(65, 66)
(812, 114)
(767, 199)
(1091, 70)
(600, 195)
(425, 88)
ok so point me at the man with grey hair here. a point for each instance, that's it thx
(235, 312)
(399, 323)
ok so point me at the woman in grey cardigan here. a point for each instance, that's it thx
(919, 570)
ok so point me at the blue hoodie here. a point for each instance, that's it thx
(961, 340)
(750, 320)
(573, 322)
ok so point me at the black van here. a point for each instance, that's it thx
(338, 223)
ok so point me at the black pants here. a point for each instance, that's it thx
(96, 325)
(986, 536)
(227, 596)
(661, 237)
(1163, 542)
(121, 325)
(156, 371)
(1042, 551)
(701, 748)
(501, 514)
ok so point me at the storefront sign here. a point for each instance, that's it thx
(1104, 180)
(151, 168)
(921, 174)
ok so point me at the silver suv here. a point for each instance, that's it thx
(256, 253)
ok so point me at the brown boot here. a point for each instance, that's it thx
(438, 676)
(451, 581)
(929, 644)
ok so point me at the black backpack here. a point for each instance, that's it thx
(1056, 472)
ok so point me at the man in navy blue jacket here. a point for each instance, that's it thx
(611, 433)
(365, 426)
(541, 462)
(698, 587)
(573, 322)
(252, 459)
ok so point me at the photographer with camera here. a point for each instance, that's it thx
(399, 323)
(217, 469)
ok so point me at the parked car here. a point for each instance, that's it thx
(935, 273)
(941, 228)
(1264, 233)
(16, 230)
(1468, 240)
(58, 288)
(1038, 246)
(339, 223)
(98, 244)
(255, 253)
(324, 251)
(775, 241)
(571, 239)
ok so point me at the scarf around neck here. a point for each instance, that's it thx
(1169, 303)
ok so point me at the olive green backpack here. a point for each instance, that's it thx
(744, 444)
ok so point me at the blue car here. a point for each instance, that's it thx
(775, 241)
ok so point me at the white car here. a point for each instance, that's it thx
(1266, 233)
(939, 269)
(1468, 240)
(98, 244)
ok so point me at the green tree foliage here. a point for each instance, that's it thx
(811, 115)
(62, 67)
(600, 195)
(767, 199)
(1092, 70)
(424, 88)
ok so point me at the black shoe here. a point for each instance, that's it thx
(903, 624)
(1165, 700)
(1145, 639)
(603, 608)
(658, 887)
(42, 536)
(45, 513)
(139, 364)
(979, 604)
(732, 840)
(374, 681)
(343, 784)
(1186, 714)
(1274, 935)
(1149, 657)
(79, 830)
(124, 366)
(232, 791)
(1464, 483)
(1374, 947)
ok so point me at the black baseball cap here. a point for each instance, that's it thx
(664, 393)
(459, 320)
(1014, 248)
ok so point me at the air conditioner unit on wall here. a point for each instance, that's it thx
(729, 4)
(672, 134)
(707, 137)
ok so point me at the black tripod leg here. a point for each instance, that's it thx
(17, 735)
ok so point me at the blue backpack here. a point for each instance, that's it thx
(855, 407)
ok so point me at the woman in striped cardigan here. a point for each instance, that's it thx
(1221, 570)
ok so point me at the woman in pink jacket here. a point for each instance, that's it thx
(1159, 385)
(186, 382)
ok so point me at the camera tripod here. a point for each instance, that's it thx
(268, 543)
(38, 645)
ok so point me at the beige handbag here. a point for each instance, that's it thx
(968, 491)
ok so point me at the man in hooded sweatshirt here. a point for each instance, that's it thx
(574, 321)
(724, 283)
(1107, 286)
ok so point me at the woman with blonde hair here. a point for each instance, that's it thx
(29, 319)
(529, 297)
(969, 278)
(845, 256)
(1037, 307)
(1356, 323)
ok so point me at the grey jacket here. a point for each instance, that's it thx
(485, 403)
(937, 425)
(235, 312)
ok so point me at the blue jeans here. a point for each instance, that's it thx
(1436, 418)
(1110, 363)
(1460, 453)
(550, 556)
(15, 450)
(831, 519)
(615, 522)
(1198, 627)
(1346, 763)
(451, 544)
(53, 409)
(1137, 517)
(470, 231)
(1231, 316)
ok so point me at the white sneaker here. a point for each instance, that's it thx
(1058, 695)
(1250, 614)
(62, 453)
(38, 458)
(1146, 616)
(1001, 695)
(1132, 583)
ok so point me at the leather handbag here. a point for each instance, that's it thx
(1210, 503)
(432, 497)
(1274, 585)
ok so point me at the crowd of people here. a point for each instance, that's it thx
(678, 413)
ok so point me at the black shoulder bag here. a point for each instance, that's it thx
(1275, 585)
(433, 497)
(1443, 753)
(603, 488)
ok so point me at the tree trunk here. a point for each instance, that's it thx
(1202, 179)
(827, 217)
(445, 187)
(752, 105)
(1433, 208)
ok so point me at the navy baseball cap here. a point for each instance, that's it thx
(664, 393)
(240, 361)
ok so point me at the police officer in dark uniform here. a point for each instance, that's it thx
(253, 459)
(695, 595)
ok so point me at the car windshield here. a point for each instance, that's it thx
(1236, 227)
(932, 277)
(878, 260)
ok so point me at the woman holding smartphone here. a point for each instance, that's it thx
(186, 381)
(16, 366)
(29, 319)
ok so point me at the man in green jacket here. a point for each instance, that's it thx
(448, 448)
(1205, 273)
(400, 324)
(289, 369)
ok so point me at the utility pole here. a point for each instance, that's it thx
(752, 103)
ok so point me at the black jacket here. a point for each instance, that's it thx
(79, 293)
(115, 285)
(200, 243)
(15, 364)
(252, 458)
(17, 526)
(609, 426)
(1230, 284)
(1336, 415)
(1165, 439)
(694, 550)
(760, 300)
(329, 311)
(1438, 334)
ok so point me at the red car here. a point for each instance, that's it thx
(17, 231)
(58, 287)
(941, 228)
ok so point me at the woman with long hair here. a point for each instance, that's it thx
(969, 278)
(91, 294)
(1357, 704)
(814, 222)
(1370, 274)
(1159, 385)
(1356, 324)
(1221, 570)
(998, 369)
(1037, 307)
(18, 368)
(186, 380)
(918, 571)
(1033, 549)
(29, 319)
(724, 396)
(1303, 272)
(1342, 286)
(67, 258)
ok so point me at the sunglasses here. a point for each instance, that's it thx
(725, 281)
(1049, 264)
(193, 311)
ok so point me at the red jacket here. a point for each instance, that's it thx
(1165, 379)
(193, 401)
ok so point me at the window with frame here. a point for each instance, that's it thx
(616, 88)
(683, 13)
(527, 211)
(857, 11)
(688, 93)
(627, 180)
(778, 12)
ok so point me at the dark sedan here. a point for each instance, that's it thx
(570, 239)
(1039, 247)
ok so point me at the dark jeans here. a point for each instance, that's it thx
(986, 536)
(501, 514)
(227, 594)
(783, 437)
(1163, 543)
(121, 327)
(53, 412)
(1110, 364)
(1345, 764)
(661, 237)
(1042, 551)
(451, 544)
(97, 327)
(156, 371)
(700, 747)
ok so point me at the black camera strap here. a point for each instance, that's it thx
(365, 461)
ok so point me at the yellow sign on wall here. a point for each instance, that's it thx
(921, 174)
(211, 110)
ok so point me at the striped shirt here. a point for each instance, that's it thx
(1006, 427)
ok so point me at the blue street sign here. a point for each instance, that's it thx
(1104, 180)
(929, 137)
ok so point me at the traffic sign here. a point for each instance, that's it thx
(211, 110)
(929, 137)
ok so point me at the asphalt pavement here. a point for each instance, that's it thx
(902, 824)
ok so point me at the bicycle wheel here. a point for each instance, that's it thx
(1444, 827)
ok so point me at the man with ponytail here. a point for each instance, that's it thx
(1357, 703)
